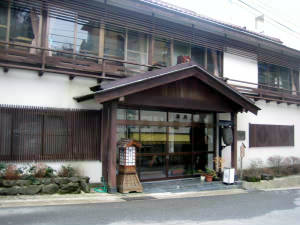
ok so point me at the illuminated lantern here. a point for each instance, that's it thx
(128, 180)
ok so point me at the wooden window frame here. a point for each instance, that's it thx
(275, 136)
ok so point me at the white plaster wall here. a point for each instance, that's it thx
(240, 68)
(25, 87)
(92, 169)
(273, 114)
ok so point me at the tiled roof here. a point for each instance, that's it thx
(188, 12)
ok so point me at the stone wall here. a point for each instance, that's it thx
(61, 185)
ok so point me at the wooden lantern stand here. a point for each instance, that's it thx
(128, 180)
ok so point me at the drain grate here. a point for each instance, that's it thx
(139, 198)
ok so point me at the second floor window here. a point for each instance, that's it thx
(61, 36)
(274, 76)
(3, 20)
(114, 43)
(161, 55)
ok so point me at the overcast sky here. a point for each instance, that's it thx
(284, 12)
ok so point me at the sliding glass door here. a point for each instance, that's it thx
(174, 144)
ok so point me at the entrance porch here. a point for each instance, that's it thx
(173, 112)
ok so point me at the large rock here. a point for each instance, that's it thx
(85, 187)
(50, 189)
(10, 191)
(23, 182)
(9, 183)
(70, 188)
(74, 179)
(265, 176)
(45, 180)
(30, 190)
(61, 180)
(86, 179)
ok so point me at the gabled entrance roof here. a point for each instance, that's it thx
(152, 79)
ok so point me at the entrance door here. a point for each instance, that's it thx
(174, 144)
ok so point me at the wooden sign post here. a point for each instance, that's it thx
(242, 155)
(128, 180)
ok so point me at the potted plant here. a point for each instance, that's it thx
(202, 175)
(209, 174)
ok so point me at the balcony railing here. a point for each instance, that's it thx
(265, 92)
(17, 55)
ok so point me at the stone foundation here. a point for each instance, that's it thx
(61, 185)
(283, 182)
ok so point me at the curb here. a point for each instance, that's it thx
(102, 198)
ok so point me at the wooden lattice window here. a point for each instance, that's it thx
(261, 135)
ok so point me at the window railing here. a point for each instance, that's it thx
(265, 92)
(42, 61)
(89, 46)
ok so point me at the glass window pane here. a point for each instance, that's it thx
(180, 117)
(203, 138)
(213, 62)
(87, 39)
(151, 167)
(127, 114)
(132, 114)
(202, 161)
(180, 49)
(114, 43)
(161, 54)
(137, 51)
(61, 36)
(206, 118)
(121, 114)
(3, 20)
(153, 115)
(180, 165)
(180, 139)
(198, 55)
(153, 139)
(24, 26)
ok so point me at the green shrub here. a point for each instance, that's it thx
(252, 178)
(2, 169)
(67, 171)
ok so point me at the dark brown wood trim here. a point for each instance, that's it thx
(234, 143)
(143, 85)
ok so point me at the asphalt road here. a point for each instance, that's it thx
(255, 208)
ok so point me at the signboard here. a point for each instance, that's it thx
(242, 150)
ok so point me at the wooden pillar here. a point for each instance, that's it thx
(216, 135)
(234, 143)
(104, 140)
(112, 147)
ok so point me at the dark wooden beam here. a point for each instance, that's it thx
(234, 144)
(112, 147)
(141, 86)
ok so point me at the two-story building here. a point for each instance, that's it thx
(77, 76)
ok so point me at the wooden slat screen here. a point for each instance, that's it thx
(36, 133)
(261, 135)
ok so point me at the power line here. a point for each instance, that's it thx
(270, 9)
(257, 10)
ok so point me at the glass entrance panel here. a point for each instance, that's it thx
(180, 139)
(202, 161)
(181, 146)
(180, 165)
(151, 167)
(153, 139)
